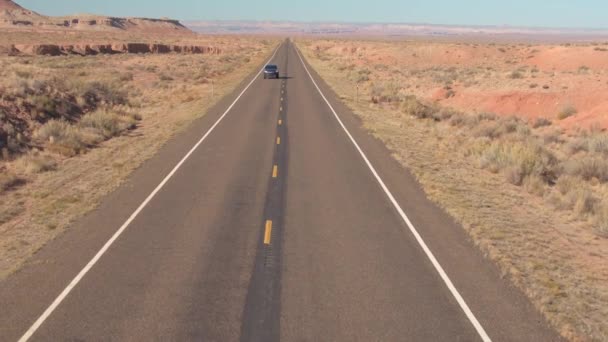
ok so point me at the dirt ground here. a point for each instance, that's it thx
(528, 80)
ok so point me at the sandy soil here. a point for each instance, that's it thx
(527, 80)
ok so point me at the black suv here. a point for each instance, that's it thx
(271, 71)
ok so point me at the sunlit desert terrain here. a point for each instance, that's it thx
(508, 138)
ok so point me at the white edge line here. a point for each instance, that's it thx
(463, 305)
(45, 315)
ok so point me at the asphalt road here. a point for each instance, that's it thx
(276, 226)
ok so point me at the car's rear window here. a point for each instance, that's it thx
(271, 67)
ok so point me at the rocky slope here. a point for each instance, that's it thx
(13, 16)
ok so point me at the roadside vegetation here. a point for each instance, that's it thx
(531, 193)
(73, 128)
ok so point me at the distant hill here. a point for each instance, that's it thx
(14, 16)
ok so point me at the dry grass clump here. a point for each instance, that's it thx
(567, 112)
(107, 124)
(36, 162)
(575, 194)
(9, 180)
(27, 104)
(518, 160)
(511, 147)
(596, 142)
(601, 221)
(67, 139)
(541, 122)
(588, 168)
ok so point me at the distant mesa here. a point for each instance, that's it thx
(14, 16)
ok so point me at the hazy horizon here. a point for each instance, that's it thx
(563, 14)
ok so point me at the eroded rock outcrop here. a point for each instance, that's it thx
(95, 49)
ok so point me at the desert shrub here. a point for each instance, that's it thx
(516, 75)
(514, 174)
(126, 77)
(584, 201)
(365, 72)
(381, 67)
(23, 74)
(552, 136)
(601, 220)
(443, 114)
(486, 116)
(104, 123)
(412, 106)
(36, 162)
(566, 112)
(566, 184)
(361, 75)
(496, 128)
(573, 193)
(541, 122)
(61, 137)
(165, 77)
(107, 124)
(43, 103)
(9, 180)
(535, 185)
(597, 143)
(519, 160)
(583, 69)
(97, 93)
(588, 168)
(225, 59)
(577, 145)
(471, 121)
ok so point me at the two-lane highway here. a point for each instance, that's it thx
(275, 217)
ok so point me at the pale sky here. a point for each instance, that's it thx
(538, 13)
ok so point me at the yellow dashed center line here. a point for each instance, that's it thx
(281, 108)
(268, 232)
(280, 122)
(278, 140)
(275, 171)
(281, 99)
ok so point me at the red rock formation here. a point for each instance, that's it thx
(94, 49)
(119, 48)
(42, 49)
(160, 48)
(138, 48)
